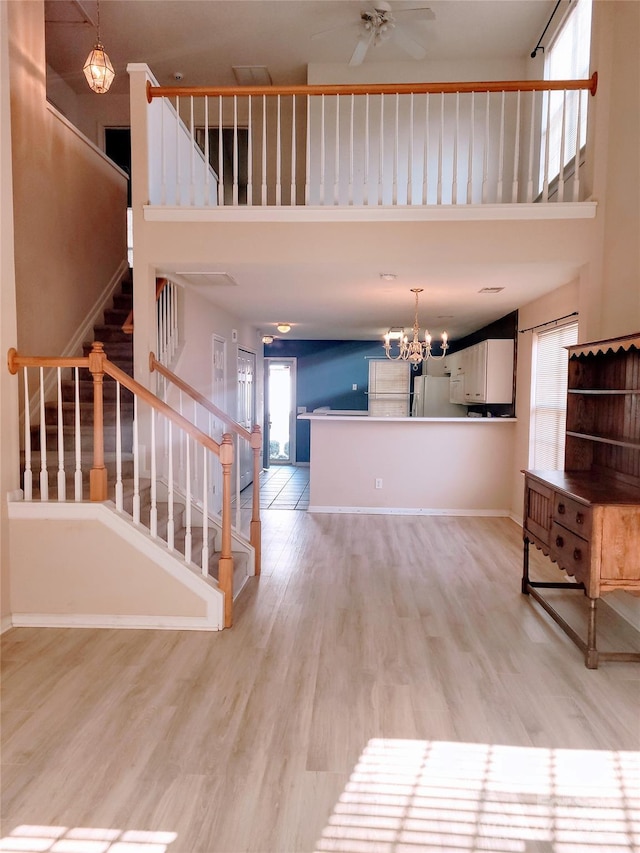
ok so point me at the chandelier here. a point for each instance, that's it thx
(414, 351)
(98, 68)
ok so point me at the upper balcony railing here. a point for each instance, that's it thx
(386, 145)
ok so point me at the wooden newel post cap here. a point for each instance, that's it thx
(97, 357)
(256, 437)
(226, 449)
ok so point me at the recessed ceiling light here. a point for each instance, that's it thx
(491, 290)
(388, 276)
(283, 327)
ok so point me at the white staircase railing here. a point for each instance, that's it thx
(398, 144)
(128, 457)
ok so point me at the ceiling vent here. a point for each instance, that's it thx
(208, 279)
(491, 290)
(252, 75)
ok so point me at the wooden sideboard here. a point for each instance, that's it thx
(587, 517)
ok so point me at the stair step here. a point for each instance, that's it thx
(116, 316)
(86, 412)
(86, 437)
(85, 392)
(111, 333)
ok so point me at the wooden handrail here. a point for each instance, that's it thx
(154, 364)
(254, 438)
(127, 326)
(590, 85)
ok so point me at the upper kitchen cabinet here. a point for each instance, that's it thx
(488, 372)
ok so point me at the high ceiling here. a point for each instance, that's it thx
(203, 40)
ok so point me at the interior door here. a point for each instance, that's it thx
(280, 401)
(246, 411)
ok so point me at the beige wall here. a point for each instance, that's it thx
(69, 202)
(9, 458)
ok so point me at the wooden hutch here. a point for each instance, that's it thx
(587, 517)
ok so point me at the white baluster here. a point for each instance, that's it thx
(307, 176)
(119, 488)
(27, 481)
(531, 148)
(192, 164)
(576, 169)
(264, 151)
(195, 470)
(44, 476)
(322, 147)
(235, 150)
(440, 143)
(472, 142)
(365, 191)
(178, 199)
(278, 155)
(410, 159)
(205, 515)
(381, 154)
(562, 133)
(350, 190)
(153, 517)
(292, 199)
(336, 173)
(77, 480)
(485, 162)
(187, 511)
(516, 153)
(136, 464)
(425, 167)
(250, 153)
(236, 465)
(501, 152)
(545, 180)
(220, 154)
(62, 485)
(456, 137)
(207, 170)
(170, 520)
(163, 109)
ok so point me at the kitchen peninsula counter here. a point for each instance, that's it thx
(387, 465)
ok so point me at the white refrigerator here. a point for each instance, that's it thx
(431, 399)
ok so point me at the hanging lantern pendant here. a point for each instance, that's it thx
(98, 69)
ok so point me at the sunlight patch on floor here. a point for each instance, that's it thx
(62, 839)
(407, 796)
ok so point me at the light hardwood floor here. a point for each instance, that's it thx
(363, 632)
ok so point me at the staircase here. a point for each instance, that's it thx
(118, 346)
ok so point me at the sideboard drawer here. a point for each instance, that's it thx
(572, 515)
(571, 552)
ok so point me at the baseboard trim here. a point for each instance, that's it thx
(5, 624)
(386, 510)
(80, 620)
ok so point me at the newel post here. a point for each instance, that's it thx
(255, 532)
(225, 566)
(98, 473)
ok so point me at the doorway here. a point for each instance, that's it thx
(280, 407)
(246, 410)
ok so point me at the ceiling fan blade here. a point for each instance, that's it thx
(362, 46)
(408, 44)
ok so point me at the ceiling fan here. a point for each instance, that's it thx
(379, 23)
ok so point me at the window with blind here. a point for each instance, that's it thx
(566, 58)
(549, 393)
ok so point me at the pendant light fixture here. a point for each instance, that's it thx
(415, 350)
(98, 68)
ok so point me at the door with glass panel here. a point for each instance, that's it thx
(280, 399)
(246, 409)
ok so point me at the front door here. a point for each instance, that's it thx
(280, 397)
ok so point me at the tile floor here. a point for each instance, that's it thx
(281, 487)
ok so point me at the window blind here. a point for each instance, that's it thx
(550, 396)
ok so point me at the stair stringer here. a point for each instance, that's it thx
(131, 580)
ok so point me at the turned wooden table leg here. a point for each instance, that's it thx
(591, 653)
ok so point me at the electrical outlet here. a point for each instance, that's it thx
(378, 483)
(354, 387)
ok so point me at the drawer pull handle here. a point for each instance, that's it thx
(577, 554)
(559, 541)
(561, 509)
(579, 518)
